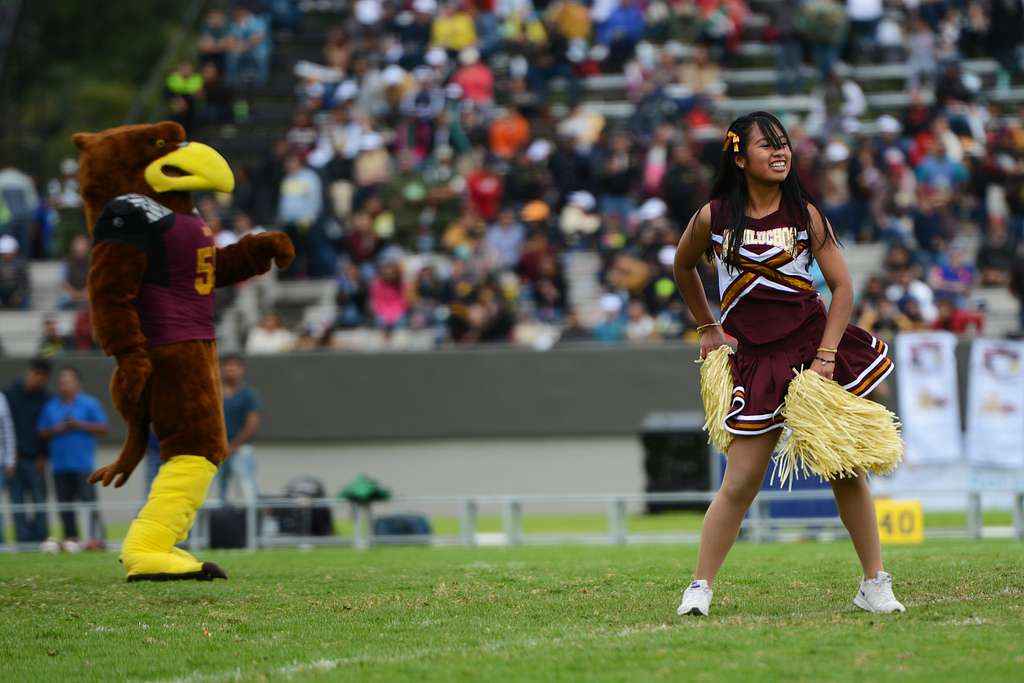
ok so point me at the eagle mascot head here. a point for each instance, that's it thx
(154, 160)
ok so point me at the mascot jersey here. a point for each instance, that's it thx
(175, 302)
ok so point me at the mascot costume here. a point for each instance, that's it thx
(153, 269)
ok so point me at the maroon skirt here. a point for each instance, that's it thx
(761, 374)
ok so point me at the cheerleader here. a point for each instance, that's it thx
(763, 229)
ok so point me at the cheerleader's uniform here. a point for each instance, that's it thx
(771, 307)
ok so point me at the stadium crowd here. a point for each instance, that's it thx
(444, 163)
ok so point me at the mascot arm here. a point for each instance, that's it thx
(123, 243)
(251, 256)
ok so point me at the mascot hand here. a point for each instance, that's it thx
(130, 379)
(119, 468)
(280, 247)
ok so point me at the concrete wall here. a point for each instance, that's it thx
(450, 394)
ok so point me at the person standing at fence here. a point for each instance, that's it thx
(764, 229)
(25, 400)
(7, 452)
(242, 420)
(71, 421)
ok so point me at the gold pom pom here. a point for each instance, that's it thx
(716, 394)
(833, 433)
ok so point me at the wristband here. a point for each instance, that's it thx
(822, 360)
(701, 328)
(828, 350)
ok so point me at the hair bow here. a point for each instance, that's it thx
(732, 137)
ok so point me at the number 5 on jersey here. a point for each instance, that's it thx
(204, 270)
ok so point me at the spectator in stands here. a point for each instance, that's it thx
(76, 269)
(823, 25)
(957, 320)
(18, 202)
(907, 285)
(574, 329)
(933, 224)
(509, 133)
(285, 14)
(785, 29)
(214, 39)
(14, 280)
(242, 420)
(618, 176)
(611, 329)
(372, 167)
(52, 342)
(8, 452)
(248, 57)
(1005, 34)
(82, 333)
(475, 78)
(1017, 284)
(620, 32)
(70, 423)
(995, 255)
(218, 100)
(920, 52)
(639, 325)
(453, 28)
(864, 18)
(952, 277)
(27, 483)
(270, 336)
(299, 208)
(389, 300)
(485, 190)
(182, 88)
(701, 77)
(302, 134)
(506, 236)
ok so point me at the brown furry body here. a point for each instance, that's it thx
(174, 387)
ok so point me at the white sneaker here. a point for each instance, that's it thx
(696, 600)
(50, 546)
(875, 595)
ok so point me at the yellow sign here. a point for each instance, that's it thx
(900, 521)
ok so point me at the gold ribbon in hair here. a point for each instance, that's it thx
(730, 136)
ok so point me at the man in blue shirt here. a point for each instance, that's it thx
(70, 422)
(242, 419)
(27, 480)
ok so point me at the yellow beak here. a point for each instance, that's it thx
(193, 166)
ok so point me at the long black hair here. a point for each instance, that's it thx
(730, 184)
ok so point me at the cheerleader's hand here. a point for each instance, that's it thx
(823, 369)
(711, 339)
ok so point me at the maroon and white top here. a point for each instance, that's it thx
(770, 305)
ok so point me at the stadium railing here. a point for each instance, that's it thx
(757, 527)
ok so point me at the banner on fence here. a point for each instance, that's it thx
(995, 403)
(928, 403)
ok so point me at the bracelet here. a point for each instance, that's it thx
(828, 350)
(822, 360)
(701, 328)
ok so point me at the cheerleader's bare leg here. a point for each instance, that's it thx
(857, 510)
(747, 462)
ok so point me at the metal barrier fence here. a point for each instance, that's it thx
(757, 527)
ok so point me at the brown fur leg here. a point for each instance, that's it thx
(185, 405)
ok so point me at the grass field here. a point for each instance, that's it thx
(781, 612)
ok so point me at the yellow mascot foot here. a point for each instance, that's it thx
(149, 552)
